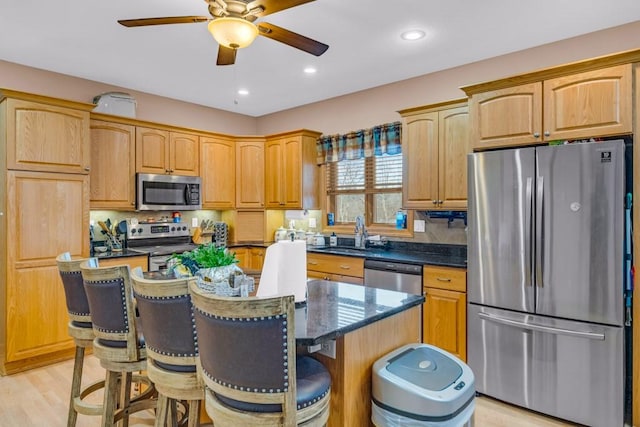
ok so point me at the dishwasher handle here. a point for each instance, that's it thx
(393, 267)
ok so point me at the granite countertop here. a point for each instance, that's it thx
(334, 309)
(419, 254)
(119, 254)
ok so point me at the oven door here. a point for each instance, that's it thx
(167, 192)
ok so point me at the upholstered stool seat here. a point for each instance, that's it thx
(247, 359)
(81, 330)
(167, 315)
(118, 342)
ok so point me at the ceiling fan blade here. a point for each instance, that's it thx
(267, 7)
(292, 39)
(143, 22)
(226, 56)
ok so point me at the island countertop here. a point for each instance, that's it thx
(334, 309)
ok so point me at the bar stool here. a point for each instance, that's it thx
(81, 330)
(167, 315)
(247, 356)
(118, 342)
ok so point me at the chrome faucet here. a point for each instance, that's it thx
(360, 233)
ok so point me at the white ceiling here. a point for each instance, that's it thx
(82, 38)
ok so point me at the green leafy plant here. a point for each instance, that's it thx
(204, 256)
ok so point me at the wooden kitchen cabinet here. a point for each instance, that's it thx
(167, 152)
(45, 134)
(141, 261)
(435, 147)
(113, 153)
(335, 267)
(46, 214)
(444, 313)
(589, 104)
(218, 172)
(249, 257)
(291, 171)
(250, 173)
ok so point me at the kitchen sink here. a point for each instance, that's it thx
(342, 250)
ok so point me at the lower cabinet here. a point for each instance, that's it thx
(249, 257)
(335, 268)
(444, 318)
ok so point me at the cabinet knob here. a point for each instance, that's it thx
(536, 134)
(435, 202)
(439, 202)
(87, 168)
(547, 133)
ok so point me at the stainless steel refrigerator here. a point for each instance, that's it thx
(545, 279)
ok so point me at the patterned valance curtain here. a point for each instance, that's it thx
(379, 140)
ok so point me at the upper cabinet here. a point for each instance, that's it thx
(250, 173)
(218, 172)
(291, 171)
(163, 152)
(580, 105)
(113, 151)
(45, 134)
(435, 147)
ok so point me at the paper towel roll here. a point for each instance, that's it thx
(285, 270)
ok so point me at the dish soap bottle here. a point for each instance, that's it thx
(333, 240)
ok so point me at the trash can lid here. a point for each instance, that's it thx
(426, 368)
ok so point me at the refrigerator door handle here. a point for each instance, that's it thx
(539, 231)
(541, 328)
(528, 219)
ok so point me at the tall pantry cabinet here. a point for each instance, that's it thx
(44, 165)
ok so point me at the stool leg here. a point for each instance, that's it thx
(194, 413)
(172, 419)
(75, 385)
(161, 411)
(125, 397)
(110, 398)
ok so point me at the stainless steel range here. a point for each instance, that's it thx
(160, 240)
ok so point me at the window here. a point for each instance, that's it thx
(370, 187)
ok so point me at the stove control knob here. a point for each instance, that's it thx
(173, 229)
(133, 231)
(184, 228)
(140, 230)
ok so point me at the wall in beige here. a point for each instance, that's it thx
(380, 105)
(149, 107)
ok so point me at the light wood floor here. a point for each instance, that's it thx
(39, 397)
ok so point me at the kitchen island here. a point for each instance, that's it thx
(358, 325)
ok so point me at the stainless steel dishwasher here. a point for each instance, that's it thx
(394, 276)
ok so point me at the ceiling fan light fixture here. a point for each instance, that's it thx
(234, 33)
(412, 35)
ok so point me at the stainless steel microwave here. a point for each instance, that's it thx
(167, 192)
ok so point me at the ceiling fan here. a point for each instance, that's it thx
(232, 26)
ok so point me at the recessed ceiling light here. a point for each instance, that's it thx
(310, 70)
(243, 92)
(412, 35)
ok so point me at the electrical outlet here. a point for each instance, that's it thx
(194, 222)
(328, 348)
(312, 223)
(418, 225)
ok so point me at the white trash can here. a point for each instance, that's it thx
(420, 385)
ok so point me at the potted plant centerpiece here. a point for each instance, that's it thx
(215, 267)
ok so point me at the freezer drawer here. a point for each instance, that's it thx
(566, 369)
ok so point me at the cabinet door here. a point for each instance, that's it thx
(113, 153)
(184, 154)
(242, 255)
(452, 156)
(292, 182)
(507, 117)
(445, 320)
(256, 258)
(250, 174)
(584, 105)
(218, 173)
(47, 214)
(420, 161)
(152, 151)
(274, 173)
(47, 138)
